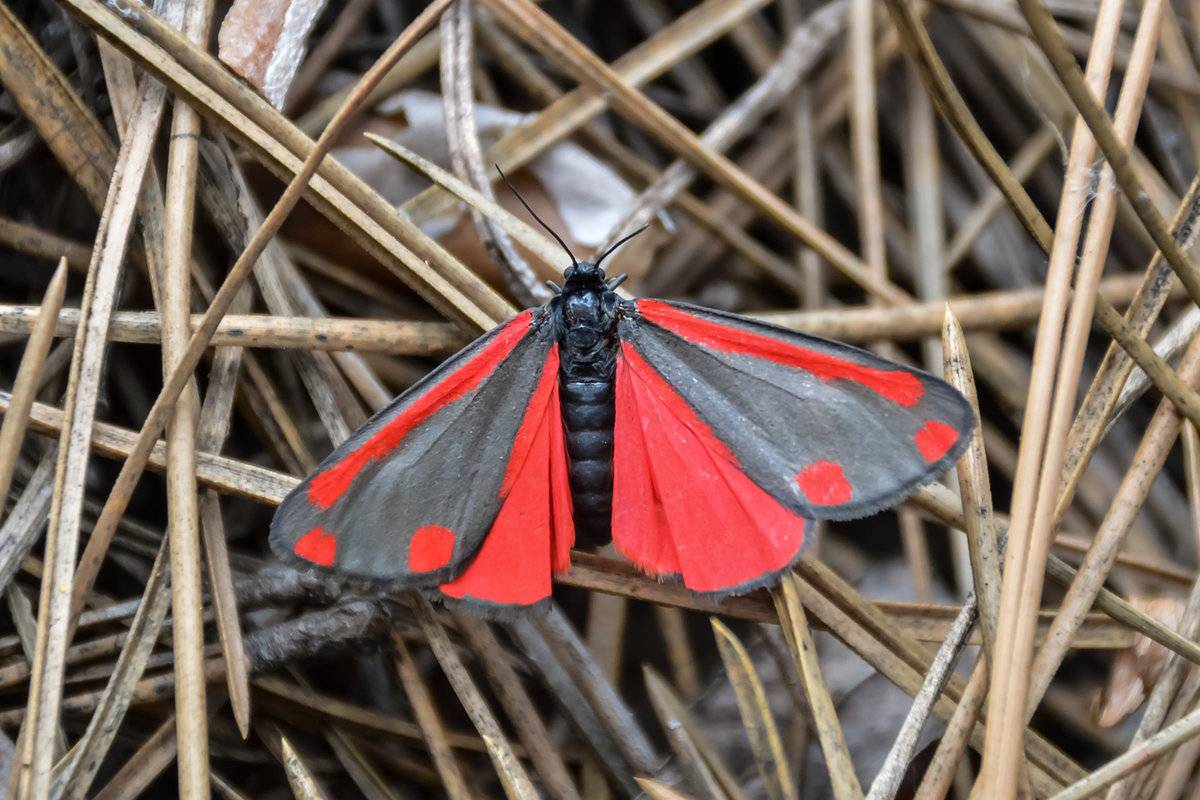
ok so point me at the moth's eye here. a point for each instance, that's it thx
(568, 272)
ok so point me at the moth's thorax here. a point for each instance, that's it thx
(585, 319)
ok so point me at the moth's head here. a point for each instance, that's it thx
(583, 275)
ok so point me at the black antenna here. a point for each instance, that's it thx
(532, 213)
(620, 242)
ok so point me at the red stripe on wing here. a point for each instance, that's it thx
(327, 487)
(899, 386)
(534, 531)
(681, 504)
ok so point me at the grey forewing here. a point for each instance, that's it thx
(776, 419)
(447, 471)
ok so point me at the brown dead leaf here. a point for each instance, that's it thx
(1135, 670)
(263, 41)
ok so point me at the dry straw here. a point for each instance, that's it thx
(935, 181)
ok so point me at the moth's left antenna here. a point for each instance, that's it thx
(620, 242)
(557, 238)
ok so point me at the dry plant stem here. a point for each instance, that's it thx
(609, 706)
(1091, 263)
(523, 69)
(984, 311)
(1048, 37)
(575, 704)
(62, 121)
(519, 706)
(212, 430)
(939, 776)
(604, 630)
(805, 48)
(282, 290)
(685, 36)
(337, 193)
(659, 791)
(807, 178)
(359, 765)
(75, 773)
(981, 147)
(304, 784)
(891, 774)
(829, 731)
(755, 711)
(35, 241)
(943, 505)
(317, 61)
(420, 58)
(466, 152)
(1099, 404)
(229, 627)
(985, 554)
(425, 711)
(1138, 756)
(510, 770)
(29, 376)
(1176, 670)
(905, 663)
(864, 136)
(135, 775)
(1157, 441)
(672, 623)
(25, 523)
(82, 391)
(183, 513)
(1031, 155)
(394, 337)
(915, 39)
(156, 418)
(285, 291)
(481, 204)
(974, 487)
(1140, 352)
(543, 32)
(1168, 683)
(1154, 366)
(1023, 572)
(700, 764)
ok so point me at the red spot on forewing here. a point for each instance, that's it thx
(533, 533)
(327, 487)
(824, 484)
(900, 386)
(681, 504)
(430, 548)
(317, 546)
(935, 439)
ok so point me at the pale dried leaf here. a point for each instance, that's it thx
(1136, 669)
(264, 40)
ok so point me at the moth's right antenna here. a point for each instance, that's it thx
(557, 238)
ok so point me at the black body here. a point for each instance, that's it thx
(585, 317)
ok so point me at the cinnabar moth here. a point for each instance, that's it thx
(702, 443)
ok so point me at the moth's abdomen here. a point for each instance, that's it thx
(588, 413)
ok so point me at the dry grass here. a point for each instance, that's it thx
(936, 181)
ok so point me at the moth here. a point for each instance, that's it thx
(702, 444)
